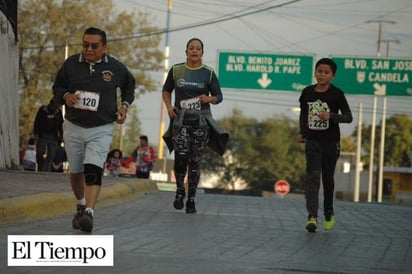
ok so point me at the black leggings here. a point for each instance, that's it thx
(189, 145)
(321, 160)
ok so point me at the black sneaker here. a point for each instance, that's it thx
(190, 207)
(75, 222)
(86, 221)
(312, 224)
(180, 195)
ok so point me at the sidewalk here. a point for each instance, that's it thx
(35, 195)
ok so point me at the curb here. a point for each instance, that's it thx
(46, 205)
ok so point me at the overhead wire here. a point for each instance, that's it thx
(291, 104)
(239, 15)
(219, 19)
(290, 99)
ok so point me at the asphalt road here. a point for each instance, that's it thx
(235, 234)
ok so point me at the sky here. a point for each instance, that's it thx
(320, 28)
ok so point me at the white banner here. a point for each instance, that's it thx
(60, 250)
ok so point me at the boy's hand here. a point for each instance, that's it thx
(324, 115)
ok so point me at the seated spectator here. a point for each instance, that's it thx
(29, 162)
(144, 157)
(114, 162)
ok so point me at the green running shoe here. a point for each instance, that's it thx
(312, 224)
(329, 222)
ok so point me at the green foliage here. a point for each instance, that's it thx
(260, 153)
(126, 136)
(46, 27)
(398, 141)
(348, 144)
(131, 139)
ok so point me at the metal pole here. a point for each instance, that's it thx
(380, 33)
(66, 55)
(66, 51)
(388, 43)
(379, 39)
(387, 48)
(372, 145)
(166, 68)
(358, 156)
(381, 153)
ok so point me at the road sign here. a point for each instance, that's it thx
(282, 187)
(264, 71)
(374, 76)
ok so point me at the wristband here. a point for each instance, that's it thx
(65, 95)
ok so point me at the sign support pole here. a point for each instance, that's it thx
(166, 68)
(382, 153)
(372, 145)
(358, 156)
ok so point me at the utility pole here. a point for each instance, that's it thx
(387, 45)
(373, 125)
(378, 52)
(358, 155)
(166, 68)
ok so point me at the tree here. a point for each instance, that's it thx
(348, 144)
(47, 27)
(131, 139)
(398, 141)
(260, 153)
(125, 135)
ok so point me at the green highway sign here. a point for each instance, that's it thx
(264, 71)
(374, 76)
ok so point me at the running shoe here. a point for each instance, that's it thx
(190, 206)
(79, 212)
(86, 221)
(329, 222)
(312, 224)
(180, 195)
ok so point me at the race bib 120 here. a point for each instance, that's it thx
(88, 100)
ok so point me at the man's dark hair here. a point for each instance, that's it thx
(329, 62)
(93, 31)
(144, 137)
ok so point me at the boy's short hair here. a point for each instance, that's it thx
(329, 62)
(143, 137)
(31, 142)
